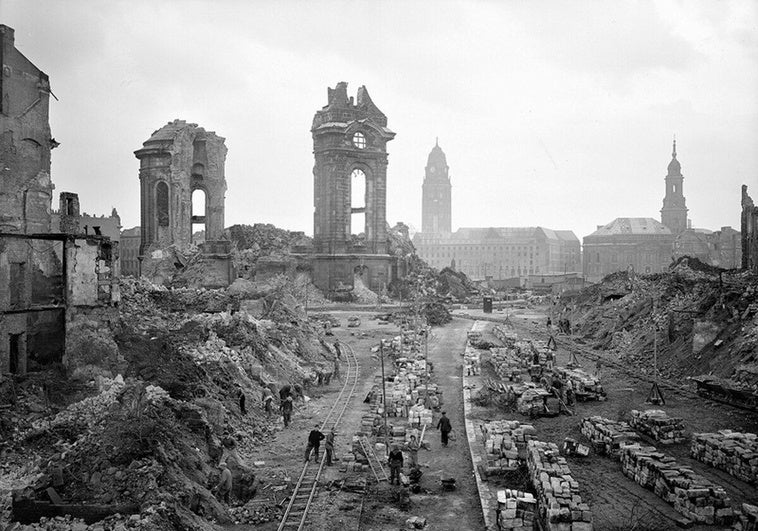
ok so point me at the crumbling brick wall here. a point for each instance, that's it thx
(25, 142)
(749, 232)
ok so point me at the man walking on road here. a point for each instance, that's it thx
(314, 442)
(396, 464)
(445, 428)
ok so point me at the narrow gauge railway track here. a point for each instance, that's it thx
(296, 513)
(587, 353)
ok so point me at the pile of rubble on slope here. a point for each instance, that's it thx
(264, 239)
(699, 319)
(150, 441)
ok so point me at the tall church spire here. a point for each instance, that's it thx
(674, 211)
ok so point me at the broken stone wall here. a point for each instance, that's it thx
(749, 232)
(25, 142)
(32, 302)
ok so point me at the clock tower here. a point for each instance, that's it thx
(436, 205)
(674, 211)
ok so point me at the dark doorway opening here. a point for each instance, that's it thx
(15, 351)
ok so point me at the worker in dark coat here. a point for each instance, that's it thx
(314, 442)
(224, 487)
(395, 462)
(445, 428)
(242, 397)
(286, 407)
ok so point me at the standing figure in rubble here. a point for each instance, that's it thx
(286, 407)
(224, 487)
(445, 428)
(336, 371)
(268, 401)
(242, 399)
(413, 448)
(314, 442)
(329, 446)
(395, 461)
(338, 349)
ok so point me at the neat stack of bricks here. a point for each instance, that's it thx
(560, 506)
(507, 364)
(516, 510)
(658, 425)
(691, 495)
(505, 441)
(531, 400)
(608, 436)
(583, 383)
(732, 451)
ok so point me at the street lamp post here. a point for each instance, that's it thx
(384, 396)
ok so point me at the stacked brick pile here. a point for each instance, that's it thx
(608, 436)
(732, 451)
(516, 510)
(560, 506)
(531, 400)
(508, 365)
(505, 441)
(658, 425)
(471, 360)
(691, 495)
(586, 386)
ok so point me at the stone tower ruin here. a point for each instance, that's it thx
(177, 161)
(350, 192)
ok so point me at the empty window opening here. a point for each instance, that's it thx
(161, 204)
(198, 216)
(357, 202)
(674, 188)
(18, 284)
(69, 206)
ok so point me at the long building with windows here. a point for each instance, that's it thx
(499, 253)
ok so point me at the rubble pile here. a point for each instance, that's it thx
(657, 424)
(608, 436)
(703, 321)
(732, 451)
(691, 495)
(559, 503)
(255, 512)
(516, 510)
(472, 360)
(747, 519)
(586, 387)
(505, 442)
(505, 336)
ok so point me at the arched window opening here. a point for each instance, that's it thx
(357, 202)
(198, 216)
(161, 204)
(674, 188)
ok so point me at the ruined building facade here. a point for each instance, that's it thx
(749, 221)
(674, 211)
(350, 193)
(182, 189)
(52, 278)
(436, 194)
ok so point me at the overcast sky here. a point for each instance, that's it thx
(551, 113)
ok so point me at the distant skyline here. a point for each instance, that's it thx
(559, 114)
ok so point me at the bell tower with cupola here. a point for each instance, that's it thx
(350, 193)
(436, 205)
(674, 211)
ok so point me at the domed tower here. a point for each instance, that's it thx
(436, 194)
(674, 211)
